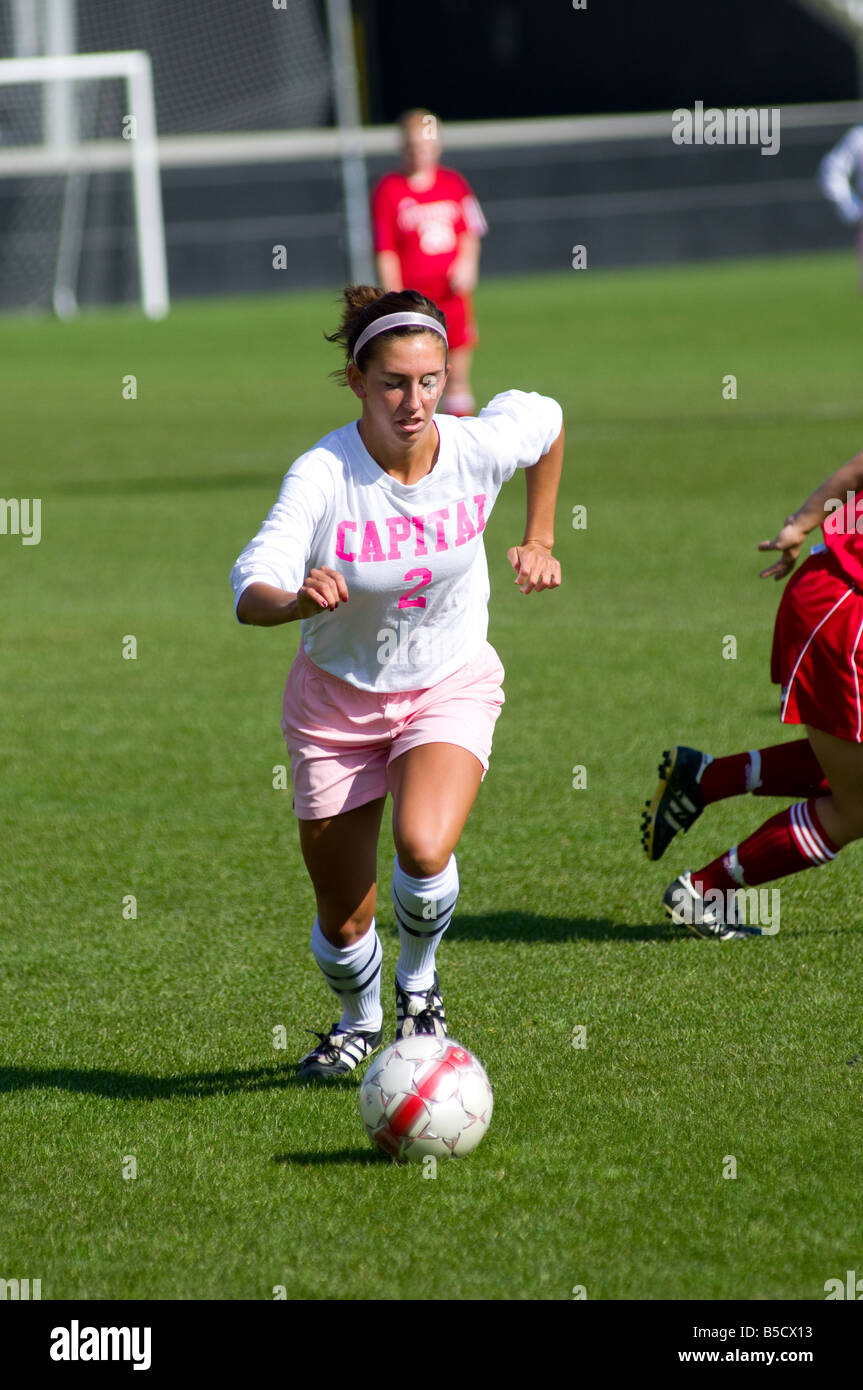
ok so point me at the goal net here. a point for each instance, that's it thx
(79, 183)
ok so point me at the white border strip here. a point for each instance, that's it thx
(856, 681)
(278, 147)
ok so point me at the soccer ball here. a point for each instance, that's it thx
(426, 1095)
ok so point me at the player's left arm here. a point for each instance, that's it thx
(464, 271)
(469, 228)
(535, 566)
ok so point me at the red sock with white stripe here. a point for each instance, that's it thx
(783, 769)
(785, 844)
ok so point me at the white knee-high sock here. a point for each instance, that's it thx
(424, 909)
(353, 973)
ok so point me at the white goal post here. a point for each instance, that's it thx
(136, 148)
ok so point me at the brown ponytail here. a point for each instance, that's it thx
(361, 305)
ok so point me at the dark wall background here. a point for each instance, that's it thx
(480, 59)
(630, 201)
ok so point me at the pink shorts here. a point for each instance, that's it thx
(341, 739)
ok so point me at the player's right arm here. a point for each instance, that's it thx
(263, 605)
(275, 579)
(848, 478)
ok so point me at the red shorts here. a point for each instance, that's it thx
(460, 323)
(817, 656)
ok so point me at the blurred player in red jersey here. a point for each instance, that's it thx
(818, 661)
(427, 226)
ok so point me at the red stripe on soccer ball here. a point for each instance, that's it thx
(388, 1142)
(408, 1109)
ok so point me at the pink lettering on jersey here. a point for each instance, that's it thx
(399, 529)
(439, 517)
(372, 548)
(480, 518)
(344, 526)
(419, 528)
(465, 530)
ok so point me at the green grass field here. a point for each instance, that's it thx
(153, 1037)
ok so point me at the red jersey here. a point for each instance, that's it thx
(423, 228)
(843, 537)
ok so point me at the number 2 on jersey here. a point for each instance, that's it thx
(410, 599)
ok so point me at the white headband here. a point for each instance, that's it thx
(388, 321)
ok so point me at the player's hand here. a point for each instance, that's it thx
(462, 277)
(535, 566)
(789, 541)
(323, 589)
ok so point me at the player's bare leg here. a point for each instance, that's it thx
(433, 789)
(458, 397)
(341, 857)
(841, 813)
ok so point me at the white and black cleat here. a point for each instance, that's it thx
(677, 802)
(337, 1054)
(713, 920)
(420, 1013)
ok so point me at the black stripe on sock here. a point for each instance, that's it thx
(374, 965)
(402, 912)
(427, 935)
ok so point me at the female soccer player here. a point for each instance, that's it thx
(375, 545)
(818, 660)
(427, 226)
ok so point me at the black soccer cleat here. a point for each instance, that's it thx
(677, 802)
(686, 908)
(337, 1054)
(420, 1013)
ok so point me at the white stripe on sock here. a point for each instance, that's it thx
(816, 833)
(732, 865)
(808, 841)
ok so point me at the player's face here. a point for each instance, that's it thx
(402, 385)
(420, 145)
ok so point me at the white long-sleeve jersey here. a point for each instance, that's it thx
(412, 554)
(840, 175)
